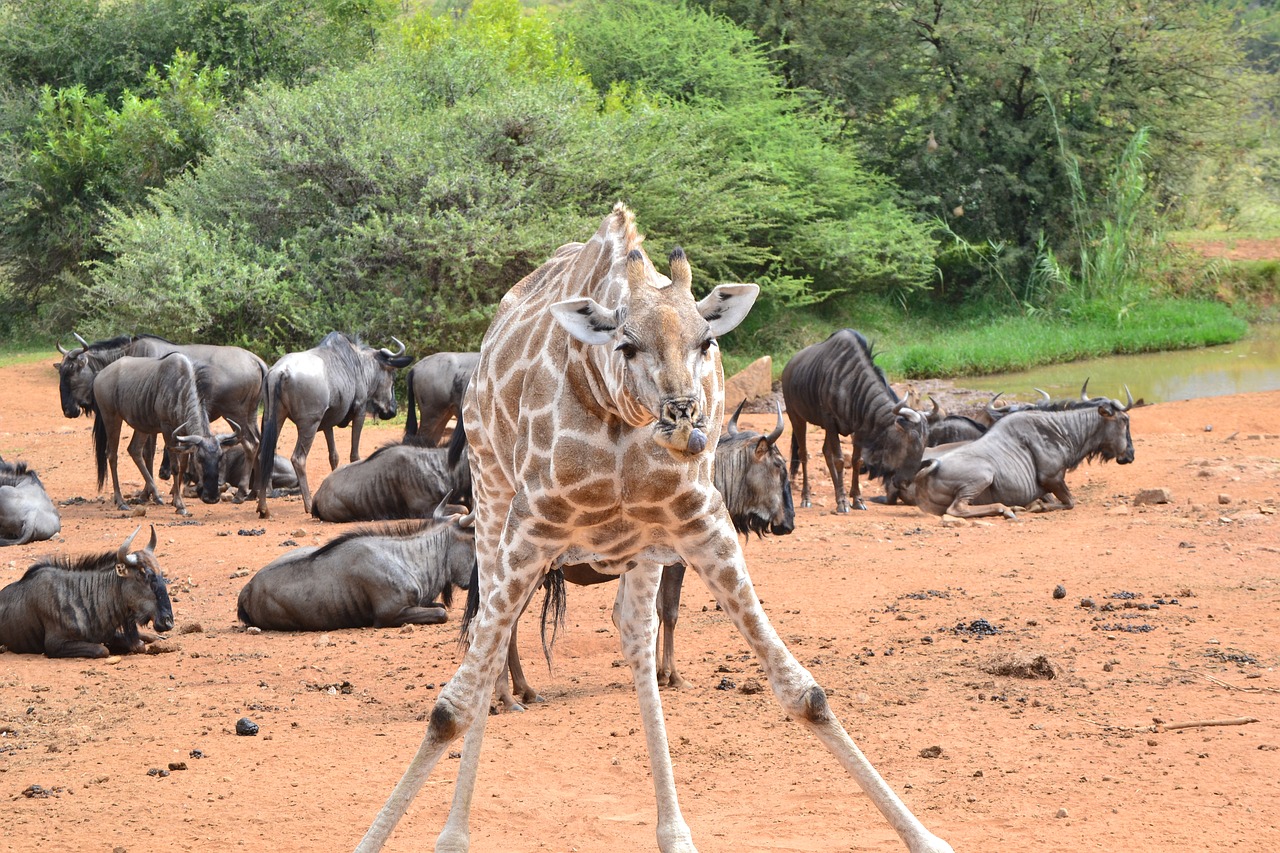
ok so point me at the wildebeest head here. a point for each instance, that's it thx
(900, 451)
(1116, 442)
(75, 381)
(752, 476)
(382, 397)
(205, 455)
(146, 587)
(662, 346)
(459, 556)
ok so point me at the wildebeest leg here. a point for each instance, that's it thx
(431, 614)
(1057, 488)
(333, 448)
(70, 647)
(963, 505)
(800, 696)
(635, 615)
(127, 640)
(800, 457)
(179, 477)
(855, 468)
(668, 613)
(306, 435)
(137, 449)
(357, 426)
(832, 452)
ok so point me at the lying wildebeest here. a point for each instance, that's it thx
(235, 467)
(232, 378)
(26, 513)
(436, 385)
(396, 481)
(87, 607)
(1022, 461)
(374, 577)
(155, 396)
(333, 384)
(837, 386)
(752, 476)
(945, 428)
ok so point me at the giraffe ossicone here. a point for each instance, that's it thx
(598, 391)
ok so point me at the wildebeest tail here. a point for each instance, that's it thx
(459, 466)
(271, 419)
(100, 444)
(552, 605)
(472, 607)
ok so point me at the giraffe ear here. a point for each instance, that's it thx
(727, 306)
(587, 320)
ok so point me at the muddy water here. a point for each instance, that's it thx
(1252, 364)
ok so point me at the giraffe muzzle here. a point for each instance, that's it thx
(681, 427)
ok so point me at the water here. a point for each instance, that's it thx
(1252, 364)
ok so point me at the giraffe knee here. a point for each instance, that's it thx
(445, 724)
(814, 705)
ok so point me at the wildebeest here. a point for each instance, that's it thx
(234, 468)
(396, 481)
(945, 428)
(373, 577)
(435, 386)
(155, 396)
(1022, 461)
(752, 476)
(333, 384)
(88, 606)
(232, 378)
(26, 513)
(837, 386)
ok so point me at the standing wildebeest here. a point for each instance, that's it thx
(26, 513)
(232, 375)
(374, 577)
(752, 476)
(592, 420)
(333, 384)
(86, 607)
(436, 385)
(837, 386)
(155, 396)
(396, 481)
(1023, 460)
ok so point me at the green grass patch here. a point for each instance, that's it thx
(933, 346)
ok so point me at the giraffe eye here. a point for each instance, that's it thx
(627, 349)
(706, 345)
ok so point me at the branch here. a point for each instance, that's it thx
(1166, 727)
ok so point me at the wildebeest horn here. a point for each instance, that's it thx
(1129, 397)
(399, 351)
(1043, 393)
(61, 350)
(467, 520)
(235, 426)
(732, 426)
(151, 545)
(991, 410)
(1084, 390)
(777, 431)
(910, 412)
(82, 341)
(122, 555)
(936, 413)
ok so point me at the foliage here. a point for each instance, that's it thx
(956, 100)
(81, 154)
(404, 196)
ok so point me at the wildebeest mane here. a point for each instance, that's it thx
(403, 530)
(15, 473)
(83, 563)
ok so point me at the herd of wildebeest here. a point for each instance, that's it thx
(997, 461)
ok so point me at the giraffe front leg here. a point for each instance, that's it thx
(799, 694)
(635, 614)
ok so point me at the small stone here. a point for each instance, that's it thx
(750, 687)
(1059, 591)
(931, 752)
(1088, 603)
(1152, 496)
(177, 765)
(1224, 499)
(246, 727)
(1062, 812)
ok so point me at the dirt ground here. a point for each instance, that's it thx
(912, 626)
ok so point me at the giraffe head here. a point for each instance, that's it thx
(656, 348)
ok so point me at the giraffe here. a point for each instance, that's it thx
(592, 418)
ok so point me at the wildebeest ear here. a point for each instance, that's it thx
(229, 440)
(587, 320)
(727, 305)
